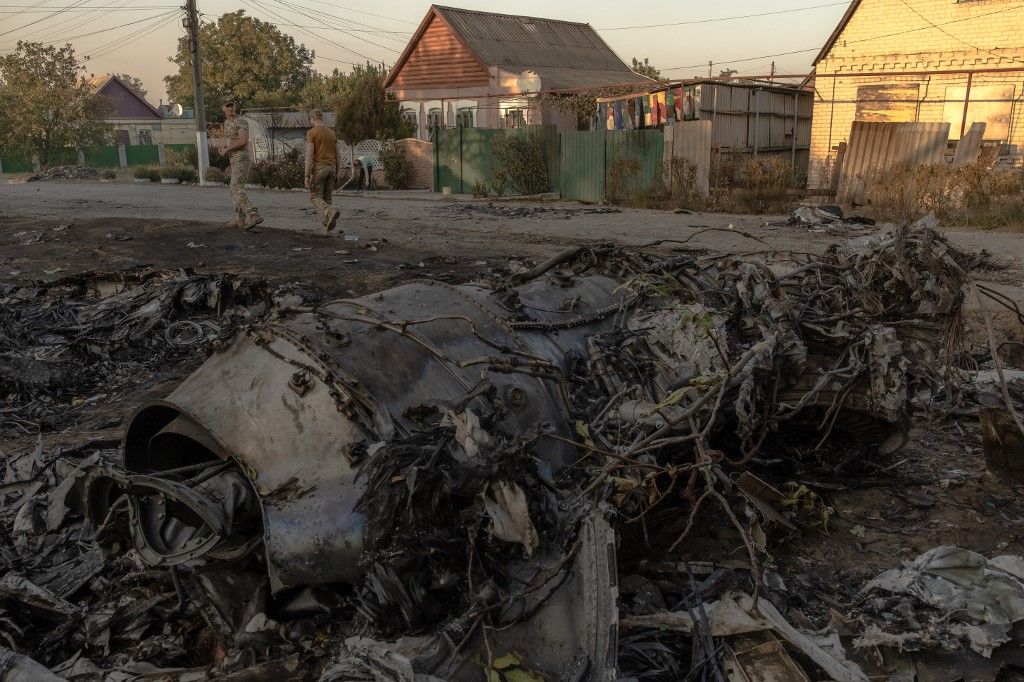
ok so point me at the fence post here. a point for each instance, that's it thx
(796, 124)
(81, 157)
(160, 154)
(37, 167)
(1, 166)
(122, 156)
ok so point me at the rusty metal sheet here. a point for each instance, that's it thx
(894, 103)
(879, 146)
(968, 149)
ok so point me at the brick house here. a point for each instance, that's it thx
(464, 68)
(920, 60)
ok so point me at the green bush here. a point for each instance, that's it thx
(519, 165)
(181, 158)
(397, 165)
(144, 173)
(189, 174)
(214, 174)
(287, 171)
(108, 175)
(171, 173)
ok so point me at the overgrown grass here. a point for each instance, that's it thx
(964, 195)
(743, 183)
(740, 183)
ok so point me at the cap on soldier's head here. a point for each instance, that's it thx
(229, 102)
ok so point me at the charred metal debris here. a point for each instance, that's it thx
(446, 482)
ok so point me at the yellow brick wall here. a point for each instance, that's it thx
(888, 36)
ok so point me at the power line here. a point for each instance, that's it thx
(274, 14)
(960, 40)
(86, 8)
(359, 11)
(288, 5)
(48, 16)
(44, 33)
(50, 33)
(29, 8)
(732, 18)
(112, 28)
(351, 24)
(117, 44)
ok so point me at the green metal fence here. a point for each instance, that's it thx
(14, 164)
(142, 155)
(587, 156)
(583, 163)
(578, 161)
(102, 157)
(463, 157)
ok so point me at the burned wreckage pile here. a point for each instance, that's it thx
(446, 482)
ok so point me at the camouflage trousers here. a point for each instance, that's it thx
(321, 184)
(240, 166)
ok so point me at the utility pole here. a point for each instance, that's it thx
(709, 68)
(771, 78)
(202, 145)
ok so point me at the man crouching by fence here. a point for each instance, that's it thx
(322, 168)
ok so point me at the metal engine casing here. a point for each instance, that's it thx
(298, 403)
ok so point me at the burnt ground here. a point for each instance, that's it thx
(934, 491)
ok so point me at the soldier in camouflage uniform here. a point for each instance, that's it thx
(236, 131)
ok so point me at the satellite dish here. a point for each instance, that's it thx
(177, 110)
(528, 82)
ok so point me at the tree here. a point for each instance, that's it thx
(245, 59)
(645, 68)
(134, 84)
(324, 91)
(367, 110)
(47, 105)
(726, 73)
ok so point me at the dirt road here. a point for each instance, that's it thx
(162, 220)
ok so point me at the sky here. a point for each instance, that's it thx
(138, 36)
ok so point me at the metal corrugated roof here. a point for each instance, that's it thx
(565, 54)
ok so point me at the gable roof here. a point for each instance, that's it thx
(840, 27)
(565, 54)
(100, 83)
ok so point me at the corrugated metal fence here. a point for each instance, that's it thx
(578, 161)
(879, 146)
(463, 156)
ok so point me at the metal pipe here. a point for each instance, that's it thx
(796, 111)
(757, 118)
(967, 101)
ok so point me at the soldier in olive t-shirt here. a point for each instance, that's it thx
(322, 168)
